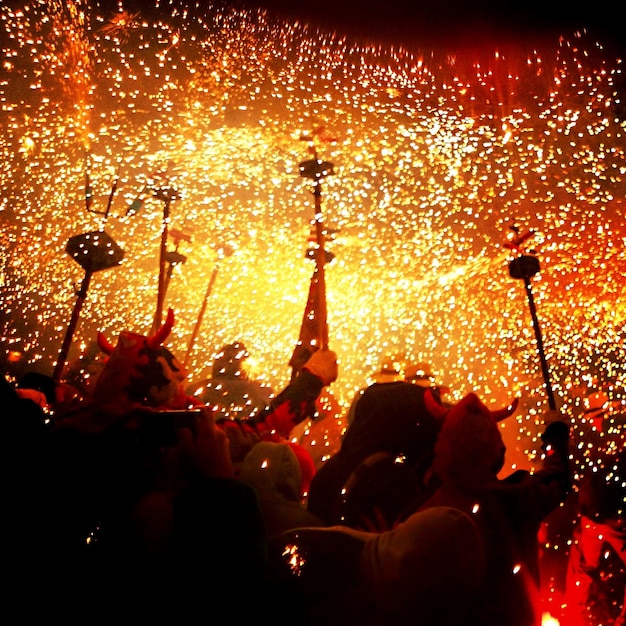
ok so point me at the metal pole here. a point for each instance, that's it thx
(67, 342)
(320, 261)
(162, 271)
(542, 355)
(196, 328)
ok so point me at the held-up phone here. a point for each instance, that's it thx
(160, 428)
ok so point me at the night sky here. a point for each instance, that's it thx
(453, 23)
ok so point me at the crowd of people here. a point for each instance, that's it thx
(153, 497)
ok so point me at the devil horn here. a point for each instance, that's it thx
(162, 333)
(435, 408)
(104, 344)
(500, 414)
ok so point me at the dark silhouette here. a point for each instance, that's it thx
(230, 391)
(379, 469)
(508, 512)
(424, 571)
(274, 471)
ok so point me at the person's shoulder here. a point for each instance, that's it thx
(516, 478)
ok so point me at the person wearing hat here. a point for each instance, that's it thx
(248, 411)
(378, 471)
(468, 456)
(230, 390)
(233, 395)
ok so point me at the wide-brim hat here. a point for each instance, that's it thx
(419, 374)
(389, 372)
(229, 361)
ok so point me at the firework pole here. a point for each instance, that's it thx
(196, 328)
(320, 263)
(94, 251)
(81, 295)
(311, 339)
(167, 195)
(525, 266)
(222, 252)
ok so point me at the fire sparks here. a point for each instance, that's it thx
(435, 157)
(292, 557)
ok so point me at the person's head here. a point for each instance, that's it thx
(469, 448)
(278, 468)
(230, 362)
(140, 371)
(273, 467)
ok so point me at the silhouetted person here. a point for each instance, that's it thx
(469, 454)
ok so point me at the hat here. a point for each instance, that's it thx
(420, 374)
(436, 556)
(285, 467)
(422, 571)
(272, 467)
(389, 371)
(229, 361)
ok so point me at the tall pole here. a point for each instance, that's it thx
(314, 327)
(173, 258)
(320, 262)
(196, 328)
(71, 328)
(162, 269)
(525, 266)
(167, 195)
(317, 170)
(539, 339)
(223, 251)
(94, 252)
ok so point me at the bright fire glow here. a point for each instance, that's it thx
(437, 158)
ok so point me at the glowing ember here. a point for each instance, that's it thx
(548, 620)
(291, 554)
